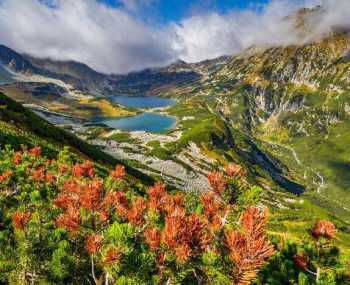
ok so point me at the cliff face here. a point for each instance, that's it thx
(274, 81)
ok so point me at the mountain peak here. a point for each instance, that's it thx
(14, 60)
(69, 67)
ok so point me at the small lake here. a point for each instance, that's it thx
(143, 102)
(4, 80)
(148, 122)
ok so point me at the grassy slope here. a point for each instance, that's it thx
(265, 84)
(19, 125)
(229, 94)
(46, 96)
(291, 216)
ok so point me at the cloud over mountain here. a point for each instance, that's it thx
(108, 39)
(114, 40)
(212, 35)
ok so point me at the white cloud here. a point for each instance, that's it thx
(106, 38)
(135, 5)
(335, 15)
(114, 40)
(212, 35)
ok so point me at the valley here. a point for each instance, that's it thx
(242, 113)
(282, 113)
(167, 143)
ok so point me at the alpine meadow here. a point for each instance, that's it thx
(170, 142)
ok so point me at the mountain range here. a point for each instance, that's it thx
(292, 101)
(85, 79)
(282, 113)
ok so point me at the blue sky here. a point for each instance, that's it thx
(164, 11)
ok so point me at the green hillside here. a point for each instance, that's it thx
(20, 126)
(292, 104)
(269, 128)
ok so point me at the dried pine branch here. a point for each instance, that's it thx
(249, 248)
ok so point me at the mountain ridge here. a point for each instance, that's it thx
(85, 79)
(277, 117)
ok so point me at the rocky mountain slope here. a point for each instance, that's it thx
(293, 103)
(84, 79)
(282, 112)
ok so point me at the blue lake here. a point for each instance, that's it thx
(149, 122)
(143, 102)
(4, 80)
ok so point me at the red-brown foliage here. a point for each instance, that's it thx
(70, 196)
(70, 220)
(323, 229)
(114, 199)
(6, 175)
(212, 211)
(117, 201)
(217, 182)
(62, 169)
(152, 238)
(64, 201)
(160, 258)
(210, 206)
(84, 169)
(71, 186)
(174, 228)
(249, 248)
(215, 223)
(93, 244)
(88, 168)
(17, 158)
(122, 212)
(169, 203)
(183, 252)
(86, 193)
(103, 215)
(300, 261)
(77, 171)
(90, 195)
(81, 195)
(50, 178)
(185, 235)
(118, 172)
(39, 174)
(165, 204)
(178, 199)
(35, 151)
(197, 237)
(160, 200)
(112, 256)
(135, 214)
(157, 191)
(20, 219)
(235, 170)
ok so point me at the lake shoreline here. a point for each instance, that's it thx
(146, 121)
(150, 116)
